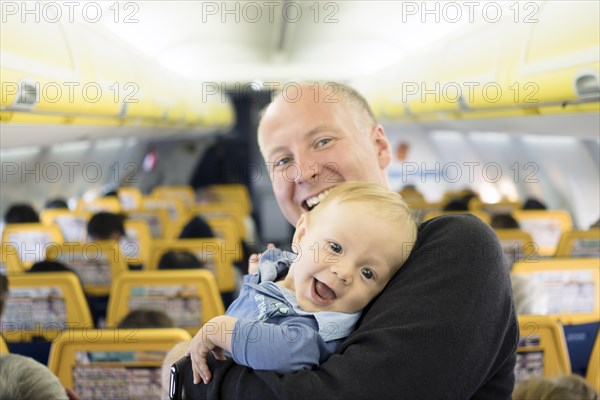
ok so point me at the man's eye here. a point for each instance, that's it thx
(336, 248)
(367, 273)
(282, 161)
(322, 142)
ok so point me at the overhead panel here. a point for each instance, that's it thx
(561, 62)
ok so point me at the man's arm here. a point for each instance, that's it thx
(444, 328)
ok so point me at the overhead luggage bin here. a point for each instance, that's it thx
(36, 77)
(563, 63)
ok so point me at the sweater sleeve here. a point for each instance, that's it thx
(291, 346)
(443, 328)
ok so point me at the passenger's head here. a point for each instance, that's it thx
(21, 214)
(533, 204)
(57, 203)
(24, 378)
(106, 226)
(3, 291)
(571, 387)
(179, 259)
(196, 228)
(146, 319)
(504, 221)
(457, 205)
(49, 266)
(344, 258)
(315, 136)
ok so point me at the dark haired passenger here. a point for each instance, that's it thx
(179, 259)
(146, 319)
(49, 266)
(3, 292)
(504, 221)
(457, 205)
(57, 203)
(533, 204)
(106, 226)
(196, 228)
(21, 214)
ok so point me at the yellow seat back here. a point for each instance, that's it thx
(136, 248)
(31, 240)
(177, 211)
(43, 304)
(96, 263)
(130, 198)
(545, 227)
(10, 263)
(579, 244)
(189, 297)
(3, 346)
(236, 193)
(516, 245)
(107, 204)
(225, 228)
(542, 348)
(502, 207)
(572, 285)
(181, 192)
(109, 364)
(72, 224)
(593, 371)
(221, 210)
(212, 252)
(157, 220)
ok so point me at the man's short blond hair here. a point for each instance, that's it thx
(333, 92)
(378, 200)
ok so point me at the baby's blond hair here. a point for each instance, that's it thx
(377, 200)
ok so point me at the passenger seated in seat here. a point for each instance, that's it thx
(106, 226)
(296, 310)
(570, 387)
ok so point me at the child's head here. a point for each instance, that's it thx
(350, 246)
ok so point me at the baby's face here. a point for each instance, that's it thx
(346, 257)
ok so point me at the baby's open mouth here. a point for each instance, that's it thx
(323, 294)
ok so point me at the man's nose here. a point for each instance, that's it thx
(307, 169)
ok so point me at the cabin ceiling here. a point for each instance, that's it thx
(276, 40)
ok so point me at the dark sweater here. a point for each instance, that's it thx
(444, 328)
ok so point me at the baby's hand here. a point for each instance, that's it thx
(199, 347)
(253, 264)
(254, 259)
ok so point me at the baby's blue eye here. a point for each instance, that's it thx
(336, 248)
(367, 273)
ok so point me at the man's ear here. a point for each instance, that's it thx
(382, 146)
(300, 228)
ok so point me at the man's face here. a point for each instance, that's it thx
(311, 146)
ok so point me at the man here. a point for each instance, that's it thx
(443, 328)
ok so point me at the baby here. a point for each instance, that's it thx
(296, 310)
